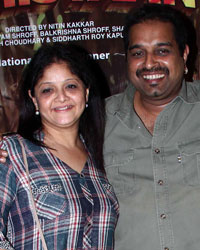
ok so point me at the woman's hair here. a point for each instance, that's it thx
(92, 121)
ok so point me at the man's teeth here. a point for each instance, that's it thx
(151, 77)
(64, 108)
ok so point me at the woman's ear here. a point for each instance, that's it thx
(33, 99)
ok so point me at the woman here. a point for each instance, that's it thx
(61, 127)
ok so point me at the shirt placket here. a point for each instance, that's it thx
(163, 213)
(87, 244)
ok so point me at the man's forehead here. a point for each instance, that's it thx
(153, 23)
(152, 30)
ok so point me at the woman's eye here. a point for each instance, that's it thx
(71, 86)
(45, 91)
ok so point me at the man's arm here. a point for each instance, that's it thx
(3, 153)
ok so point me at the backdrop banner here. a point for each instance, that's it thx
(96, 25)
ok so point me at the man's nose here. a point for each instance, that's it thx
(150, 61)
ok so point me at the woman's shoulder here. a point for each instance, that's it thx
(10, 139)
(11, 142)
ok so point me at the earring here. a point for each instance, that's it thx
(86, 105)
(185, 70)
(37, 112)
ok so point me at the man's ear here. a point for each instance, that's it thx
(33, 99)
(87, 94)
(186, 53)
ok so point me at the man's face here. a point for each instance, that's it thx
(155, 66)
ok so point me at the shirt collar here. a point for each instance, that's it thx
(189, 92)
(125, 111)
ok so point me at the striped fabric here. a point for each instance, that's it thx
(76, 211)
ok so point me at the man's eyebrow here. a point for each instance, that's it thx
(165, 44)
(135, 46)
(138, 46)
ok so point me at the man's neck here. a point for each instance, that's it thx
(147, 111)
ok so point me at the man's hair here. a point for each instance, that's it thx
(92, 121)
(163, 13)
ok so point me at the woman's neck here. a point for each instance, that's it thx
(67, 137)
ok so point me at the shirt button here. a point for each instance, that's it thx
(160, 182)
(163, 216)
(179, 159)
(82, 175)
(157, 150)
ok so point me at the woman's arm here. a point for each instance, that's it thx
(7, 194)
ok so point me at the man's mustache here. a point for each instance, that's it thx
(154, 69)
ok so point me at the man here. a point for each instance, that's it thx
(152, 138)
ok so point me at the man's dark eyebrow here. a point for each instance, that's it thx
(165, 44)
(138, 46)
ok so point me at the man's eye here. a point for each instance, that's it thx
(137, 54)
(162, 52)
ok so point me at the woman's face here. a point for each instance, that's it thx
(60, 97)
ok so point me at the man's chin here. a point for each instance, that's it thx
(156, 94)
(153, 94)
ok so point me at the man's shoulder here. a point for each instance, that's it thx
(192, 91)
(114, 102)
(114, 98)
(195, 85)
